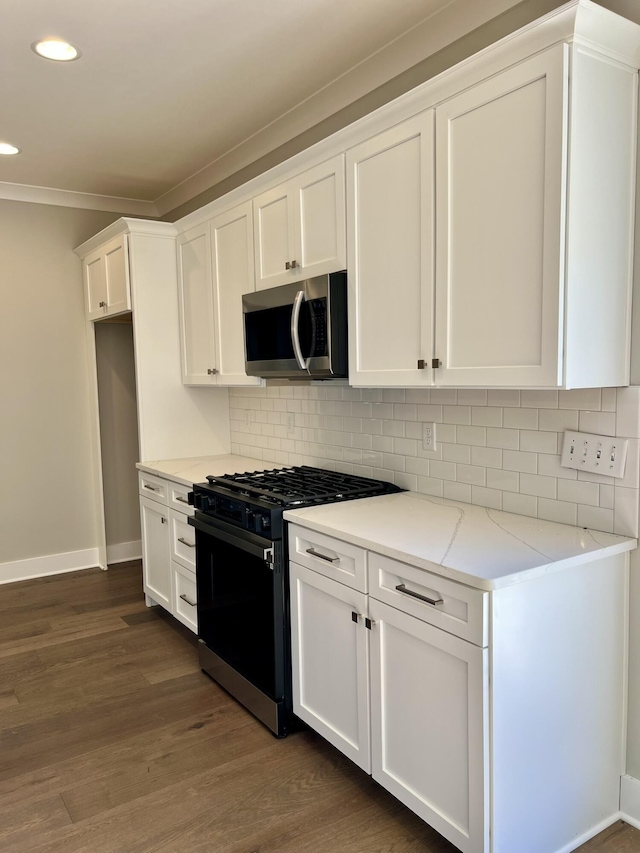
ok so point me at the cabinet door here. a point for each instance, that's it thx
(390, 256)
(233, 276)
(116, 267)
(95, 282)
(156, 562)
(197, 334)
(501, 153)
(429, 724)
(319, 210)
(330, 661)
(274, 232)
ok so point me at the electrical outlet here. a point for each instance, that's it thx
(248, 417)
(599, 454)
(428, 436)
(291, 422)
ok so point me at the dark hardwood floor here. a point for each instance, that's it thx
(113, 741)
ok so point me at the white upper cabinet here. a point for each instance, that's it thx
(390, 255)
(500, 151)
(215, 268)
(534, 214)
(197, 333)
(300, 226)
(233, 276)
(106, 279)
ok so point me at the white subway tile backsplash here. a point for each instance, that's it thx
(457, 492)
(456, 415)
(506, 438)
(558, 420)
(503, 398)
(518, 460)
(628, 412)
(601, 423)
(565, 513)
(577, 492)
(495, 448)
(471, 435)
(580, 398)
(539, 399)
(520, 504)
(489, 416)
(506, 481)
(487, 457)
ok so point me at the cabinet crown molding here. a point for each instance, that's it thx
(126, 225)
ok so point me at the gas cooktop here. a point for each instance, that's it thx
(301, 485)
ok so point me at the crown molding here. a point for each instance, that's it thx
(85, 201)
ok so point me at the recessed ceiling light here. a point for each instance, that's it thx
(56, 49)
(6, 148)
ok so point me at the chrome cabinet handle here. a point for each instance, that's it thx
(103, 304)
(295, 339)
(188, 600)
(287, 265)
(163, 519)
(328, 559)
(402, 588)
(294, 265)
(151, 488)
(181, 499)
(211, 371)
(188, 544)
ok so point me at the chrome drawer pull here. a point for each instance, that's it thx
(402, 588)
(151, 488)
(188, 600)
(320, 556)
(188, 544)
(181, 499)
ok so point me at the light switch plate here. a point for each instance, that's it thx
(599, 454)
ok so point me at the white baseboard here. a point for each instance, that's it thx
(52, 564)
(123, 551)
(630, 800)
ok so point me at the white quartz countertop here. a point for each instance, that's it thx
(195, 469)
(481, 547)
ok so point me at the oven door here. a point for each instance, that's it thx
(241, 604)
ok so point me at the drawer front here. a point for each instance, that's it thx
(454, 607)
(328, 556)
(178, 498)
(153, 487)
(184, 596)
(183, 540)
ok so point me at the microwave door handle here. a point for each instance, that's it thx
(295, 338)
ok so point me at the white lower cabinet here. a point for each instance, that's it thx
(168, 548)
(428, 719)
(330, 652)
(496, 716)
(156, 559)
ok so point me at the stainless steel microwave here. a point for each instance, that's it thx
(297, 331)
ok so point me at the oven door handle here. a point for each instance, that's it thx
(263, 552)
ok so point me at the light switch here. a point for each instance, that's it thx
(599, 454)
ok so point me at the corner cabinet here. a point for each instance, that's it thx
(300, 227)
(106, 279)
(534, 172)
(215, 268)
(444, 692)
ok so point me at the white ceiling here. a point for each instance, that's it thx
(165, 87)
(171, 96)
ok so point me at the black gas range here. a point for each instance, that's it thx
(242, 577)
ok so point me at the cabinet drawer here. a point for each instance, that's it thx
(153, 487)
(456, 608)
(331, 557)
(178, 498)
(184, 596)
(183, 540)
